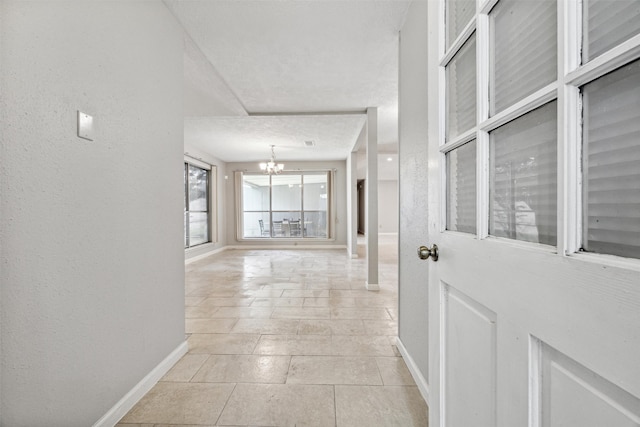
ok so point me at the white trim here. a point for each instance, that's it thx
(277, 247)
(457, 44)
(458, 141)
(421, 382)
(520, 108)
(197, 162)
(617, 57)
(124, 405)
(372, 287)
(188, 261)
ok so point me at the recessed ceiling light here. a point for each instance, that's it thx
(389, 159)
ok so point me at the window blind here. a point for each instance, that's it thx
(461, 90)
(611, 163)
(461, 188)
(608, 23)
(459, 13)
(523, 177)
(524, 56)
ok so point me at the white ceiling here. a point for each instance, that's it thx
(271, 72)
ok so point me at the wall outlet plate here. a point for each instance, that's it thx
(85, 126)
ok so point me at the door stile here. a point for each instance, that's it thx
(483, 40)
(436, 127)
(569, 126)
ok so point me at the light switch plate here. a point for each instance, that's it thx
(85, 126)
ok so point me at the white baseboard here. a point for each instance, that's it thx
(125, 404)
(423, 386)
(188, 261)
(372, 286)
(287, 246)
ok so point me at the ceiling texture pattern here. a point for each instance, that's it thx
(267, 72)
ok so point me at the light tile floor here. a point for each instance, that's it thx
(287, 338)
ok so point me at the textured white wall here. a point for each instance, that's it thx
(340, 211)
(413, 294)
(92, 280)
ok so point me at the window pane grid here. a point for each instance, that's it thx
(285, 206)
(602, 153)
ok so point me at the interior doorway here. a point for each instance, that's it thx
(361, 207)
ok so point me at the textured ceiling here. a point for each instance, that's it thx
(311, 56)
(249, 138)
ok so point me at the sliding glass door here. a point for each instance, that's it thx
(289, 206)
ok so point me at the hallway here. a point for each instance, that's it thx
(287, 337)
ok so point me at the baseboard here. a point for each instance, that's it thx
(125, 404)
(372, 286)
(289, 246)
(423, 386)
(188, 261)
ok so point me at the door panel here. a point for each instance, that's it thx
(469, 346)
(571, 394)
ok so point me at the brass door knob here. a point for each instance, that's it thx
(424, 252)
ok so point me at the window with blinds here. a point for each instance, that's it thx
(611, 163)
(607, 23)
(524, 50)
(523, 177)
(461, 188)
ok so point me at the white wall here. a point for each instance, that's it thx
(388, 206)
(220, 238)
(413, 293)
(92, 280)
(339, 212)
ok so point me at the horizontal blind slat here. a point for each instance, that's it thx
(611, 156)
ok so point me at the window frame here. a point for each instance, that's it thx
(240, 212)
(210, 202)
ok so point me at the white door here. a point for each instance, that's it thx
(534, 179)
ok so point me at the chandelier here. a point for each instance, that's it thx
(271, 167)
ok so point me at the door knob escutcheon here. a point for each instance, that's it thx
(424, 252)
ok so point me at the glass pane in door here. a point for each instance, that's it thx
(611, 163)
(461, 188)
(461, 90)
(608, 23)
(524, 50)
(523, 177)
(459, 13)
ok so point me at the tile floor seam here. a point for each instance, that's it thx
(225, 404)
